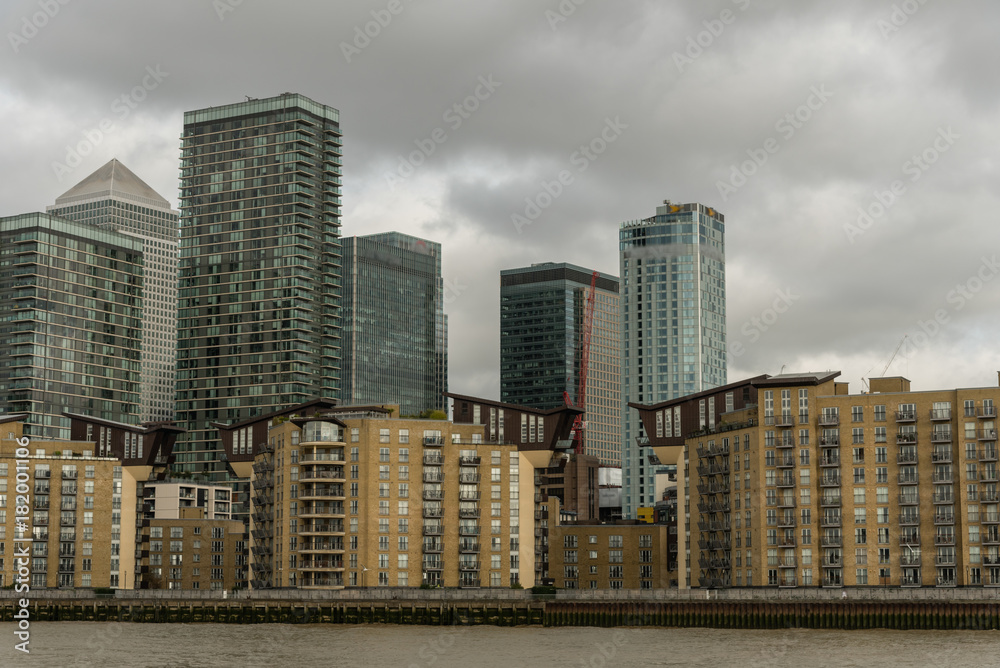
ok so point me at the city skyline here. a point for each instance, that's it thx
(856, 100)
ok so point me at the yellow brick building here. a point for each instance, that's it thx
(790, 481)
(357, 497)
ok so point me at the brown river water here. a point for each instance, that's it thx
(110, 645)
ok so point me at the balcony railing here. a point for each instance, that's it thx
(940, 413)
(941, 456)
(909, 538)
(829, 480)
(906, 458)
(435, 441)
(906, 438)
(909, 479)
(433, 460)
(940, 437)
(829, 419)
(830, 501)
(987, 411)
(944, 539)
(987, 434)
(829, 460)
(944, 477)
(829, 440)
(469, 460)
(909, 519)
(830, 521)
(906, 416)
(909, 500)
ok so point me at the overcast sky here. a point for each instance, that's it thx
(788, 117)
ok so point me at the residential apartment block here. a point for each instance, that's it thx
(195, 552)
(615, 555)
(790, 481)
(355, 496)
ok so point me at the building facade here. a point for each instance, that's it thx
(176, 499)
(542, 311)
(259, 268)
(395, 334)
(113, 198)
(673, 292)
(195, 553)
(800, 484)
(71, 329)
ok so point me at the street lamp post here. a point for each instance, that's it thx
(363, 571)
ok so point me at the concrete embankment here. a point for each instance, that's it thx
(758, 614)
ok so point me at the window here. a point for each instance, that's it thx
(858, 435)
(860, 515)
(857, 413)
(614, 541)
(404, 437)
(804, 457)
(879, 413)
(859, 495)
(860, 536)
(880, 435)
(859, 475)
(383, 437)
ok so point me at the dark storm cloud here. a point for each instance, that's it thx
(793, 119)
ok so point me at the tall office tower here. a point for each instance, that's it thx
(259, 268)
(395, 337)
(70, 322)
(114, 198)
(673, 270)
(541, 332)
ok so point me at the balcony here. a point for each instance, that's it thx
(786, 521)
(909, 479)
(432, 494)
(940, 436)
(906, 438)
(786, 541)
(989, 474)
(433, 547)
(433, 460)
(433, 476)
(943, 477)
(784, 420)
(469, 460)
(786, 481)
(830, 459)
(831, 541)
(786, 462)
(944, 538)
(468, 530)
(988, 455)
(906, 416)
(786, 502)
(910, 559)
(829, 480)
(829, 440)
(468, 547)
(941, 456)
(909, 519)
(830, 501)
(433, 530)
(943, 497)
(986, 434)
(468, 496)
(831, 521)
(989, 518)
(940, 413)
(988, 497)
(432, 513)
(987, 411)
(469, 565)
(713, 469)
(42, 474)
(433, 441)
(906, 457)
(832, 562)
(469, 478)
(468, 513)
(990, 537)
(785, 443)
(945, 560)
(908, 538)
(310, 456)
(829, 419)
(909, 500)
(434, 565)
(69, 475)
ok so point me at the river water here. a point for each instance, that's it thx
(110, 645)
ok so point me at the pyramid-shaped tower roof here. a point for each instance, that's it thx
(113, 180)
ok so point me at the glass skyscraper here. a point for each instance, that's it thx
(259, 268)
(114, 198)
(541, 331)
(70, 322)
(673, 280)
(395, 332)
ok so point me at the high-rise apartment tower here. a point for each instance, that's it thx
(673, 286)
(259, 267)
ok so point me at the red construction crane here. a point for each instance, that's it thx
(580, 424)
